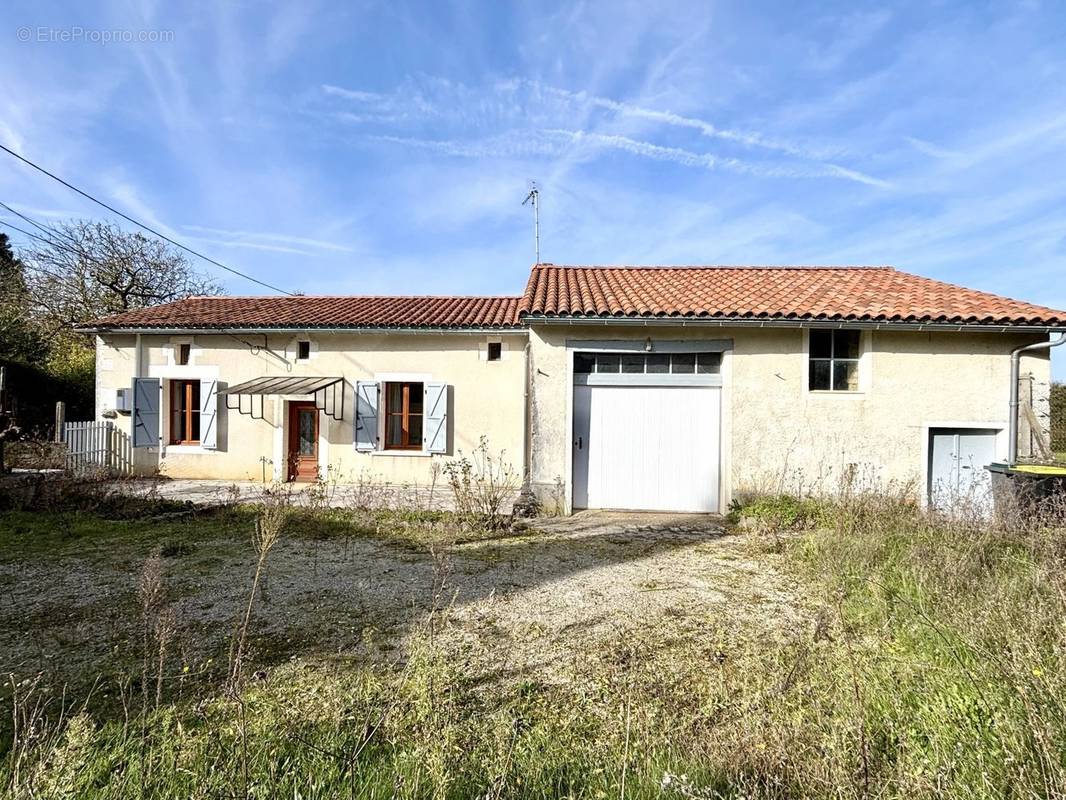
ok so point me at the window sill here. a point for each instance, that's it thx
(187, 449)
(837, 392)
(402, 453)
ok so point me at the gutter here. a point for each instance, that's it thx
(1015, 366)
(187, 331)
(747, 322)
(673, 322)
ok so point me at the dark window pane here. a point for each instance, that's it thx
(584, 363)
(394, 397)
(607, 362)
(414, 430)
(307, 432)
(658, 363)
(183, 353)
(708, 363)
(845, 344)
(393, 428)
(633, 364)
(417, 397)
(684, 363)
(821, 344)
(819, 374)
(846, 376)
(303, 350)
(495, 351)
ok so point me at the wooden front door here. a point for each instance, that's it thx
(303, 442)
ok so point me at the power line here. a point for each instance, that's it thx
(38, 268)
(48, 232)
(139, 224)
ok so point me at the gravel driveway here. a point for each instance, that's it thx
(526, 603)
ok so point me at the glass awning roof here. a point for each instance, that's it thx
(328, 393)
(283, 384)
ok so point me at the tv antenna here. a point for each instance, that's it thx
(534, 197)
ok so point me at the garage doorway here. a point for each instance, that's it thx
(647, 441)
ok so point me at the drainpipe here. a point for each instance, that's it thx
(1012, 422)
(526, 503)
(527, 454)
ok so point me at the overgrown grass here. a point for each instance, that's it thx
(934, 668)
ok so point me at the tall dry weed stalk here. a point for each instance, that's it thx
(158, 626)
(273, 514)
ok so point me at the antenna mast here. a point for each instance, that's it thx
(534, 197)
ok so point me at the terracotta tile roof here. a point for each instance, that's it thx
(877, 294)
(801, 293)
(302, 312)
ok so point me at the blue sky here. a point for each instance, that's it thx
(386, 147)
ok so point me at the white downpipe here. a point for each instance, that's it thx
(1012, 420)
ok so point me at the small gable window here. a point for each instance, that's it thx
(834, 360)
(495, 351)
(303, 351)
(182, 356)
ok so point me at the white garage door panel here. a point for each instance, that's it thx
(646, 447)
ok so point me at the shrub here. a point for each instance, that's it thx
(482, 484)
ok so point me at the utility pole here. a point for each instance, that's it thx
(534, 197)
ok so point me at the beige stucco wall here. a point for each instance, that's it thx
(776, 434)
(485, 398)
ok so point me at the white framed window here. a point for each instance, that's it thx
(648, 363)
(833, 360)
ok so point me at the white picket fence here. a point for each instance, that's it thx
(97, 445)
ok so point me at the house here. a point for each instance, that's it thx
(658, 388)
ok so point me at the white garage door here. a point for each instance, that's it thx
(651, 448)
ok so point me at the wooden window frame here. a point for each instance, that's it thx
(833, 360)
(404, 412)
(191, 391)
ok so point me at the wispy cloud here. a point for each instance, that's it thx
(523, 104)
(255, 239)
(705, 128)
(556, 141)
(930, 149)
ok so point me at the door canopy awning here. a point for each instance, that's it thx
(327, 392)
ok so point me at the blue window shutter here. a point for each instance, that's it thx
(435, 437)
(146, 398)
(366, 415)
(208, 414)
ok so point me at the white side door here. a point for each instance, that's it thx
(582, 408)
(958, 480)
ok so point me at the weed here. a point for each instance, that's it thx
(481, 484)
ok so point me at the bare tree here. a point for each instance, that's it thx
(82, 270)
